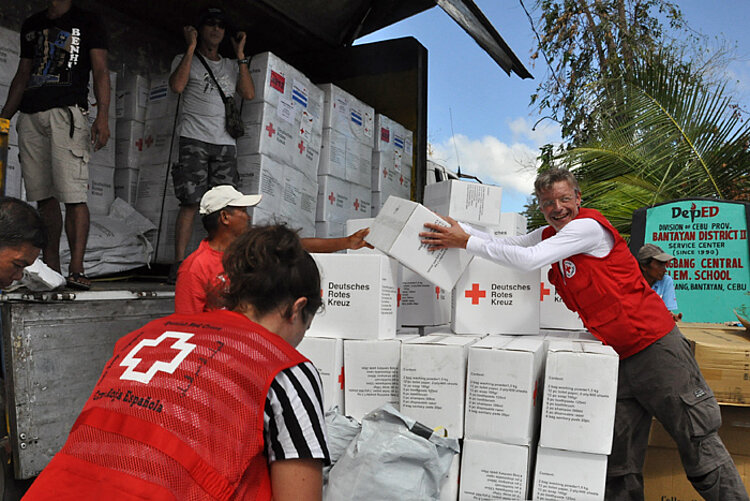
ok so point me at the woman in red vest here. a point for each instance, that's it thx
(216, 405)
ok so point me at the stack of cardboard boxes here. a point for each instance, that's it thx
(10, 54)
(392, 160)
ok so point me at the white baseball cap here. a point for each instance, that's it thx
(223, 196)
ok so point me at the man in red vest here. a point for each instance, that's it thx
(598, 277)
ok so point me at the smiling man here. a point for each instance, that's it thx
(598, 277)
(22, 237)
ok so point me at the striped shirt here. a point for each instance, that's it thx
(293, 420)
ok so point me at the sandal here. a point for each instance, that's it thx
(78, 281)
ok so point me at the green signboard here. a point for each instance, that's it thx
(711, 271)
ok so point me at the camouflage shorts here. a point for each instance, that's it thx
(201, 167)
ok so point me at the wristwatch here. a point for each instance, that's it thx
(244, 61)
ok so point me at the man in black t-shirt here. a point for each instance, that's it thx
(59, 47)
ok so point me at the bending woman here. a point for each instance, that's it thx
(216, 405)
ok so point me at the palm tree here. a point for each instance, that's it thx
(673, 136)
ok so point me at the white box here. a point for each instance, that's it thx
(421, 302)
(14, 186)
(569, 475)
(333, 154)
(328, 357)
(132, 97)
(570, 335)
(129, 143)
(268, 132)
(396, 230)
(162, 102)
(580, 392)
(449, 485)
(512, 224)
(503, 389)
(335, 201)
(494, 299)
(371, 375)
(385, 130)
(433, 379)
(347, 114)
(10, 54)
(161, 142)
(278, 82)
(492, 470)
(472, 203)
(358, 163)
(126, 184)
(359, 297)
(260, 174)
(300, 198)
(361, 201)
(101, 188)
(408, 160)
(330, 229)
(553, 314)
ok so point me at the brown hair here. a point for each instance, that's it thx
(268, 268)
(546, 179)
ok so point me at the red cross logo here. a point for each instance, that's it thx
(332, 198)
(301, 147)
(356, 204)
(302, 131)
(341, 377)
(149, 141)
(385, 172)
(474, 293)
(398, 298)
(401, 179)
(544, 292)
(437, 292)
(270, 129)
(131, 360)
(139, 144)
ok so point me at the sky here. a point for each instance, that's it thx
(479, 118)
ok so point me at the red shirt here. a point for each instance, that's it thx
(176, 414)
(200, 281)
(614, 301)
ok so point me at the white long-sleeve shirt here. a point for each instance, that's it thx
(529, 252)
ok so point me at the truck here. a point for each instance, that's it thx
(55, 343)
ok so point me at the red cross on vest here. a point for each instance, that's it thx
(474, 293)
(543, 291)
(177, 349)
(270, 129)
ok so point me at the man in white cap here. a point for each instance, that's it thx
(653, 263)
(200, 279)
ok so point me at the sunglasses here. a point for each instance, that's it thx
(215, 22)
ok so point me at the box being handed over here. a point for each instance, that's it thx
(396, 232)
(359, 297)
(467, 202)
(580, 392)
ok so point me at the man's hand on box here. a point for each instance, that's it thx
(444, 237)
(357, 240)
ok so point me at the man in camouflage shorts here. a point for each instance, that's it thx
(208, 155)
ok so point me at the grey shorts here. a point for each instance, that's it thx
(201, 167)
(54, 147)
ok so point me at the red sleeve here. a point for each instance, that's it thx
(189, 293)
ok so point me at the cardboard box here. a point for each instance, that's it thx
(281, 85)
(421, 302)
(433, 381)
(580, 392)
(358, 163)
(260, 174)
(494, 299)
(570, 335)
(14, 186)
(162, 102)
(335, 202)
(101, 188)
(361, 205)
(126, 184)
(723, 354)
(328, 357)
(132, 97)
(569, 475)
(503, 390)
(385, 130)
(129, 143)
(333, 154)
(371, 375)
(493, 470)
(347, 114)
(161, 142)
(300, 198)
(10, 54)
(359, 297)
(270, 132)
(512, 224)
(396, 230)
(330, 229)
(472, 203)
(553, 314)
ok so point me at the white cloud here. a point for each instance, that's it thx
(494, 162)
(543, 132)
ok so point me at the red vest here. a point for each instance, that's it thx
(614, 301)
(176, 414)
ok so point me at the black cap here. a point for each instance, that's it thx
(211, 13)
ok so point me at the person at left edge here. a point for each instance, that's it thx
(22, 238)
(59, 47)
(216, 405)
(207, 153)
